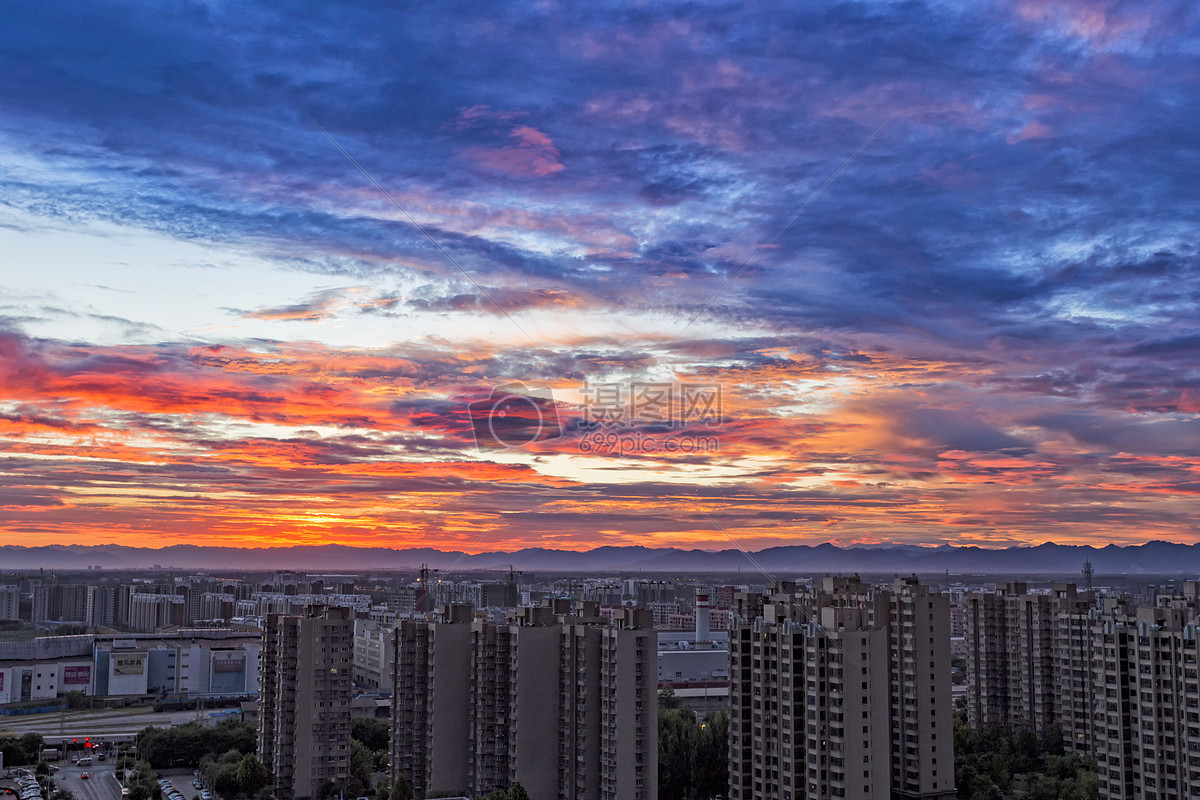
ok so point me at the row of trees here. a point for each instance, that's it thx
(693, 754)
(140, 780)
(20, 751)
(235, 775)
(990, 764)
(187, 745)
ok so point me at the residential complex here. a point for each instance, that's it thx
(10, 603)
(840, 690)
(304, 700)
(60, 602)
(1119, 681)
(555, 697)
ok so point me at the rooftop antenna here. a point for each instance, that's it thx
(1089, 573)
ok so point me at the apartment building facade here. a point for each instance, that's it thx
(840, 691)
(10, 602)
(1015, 656)
(60, 603)
(554, 698)
(304, 700)
(372, 654)
(1126, 689)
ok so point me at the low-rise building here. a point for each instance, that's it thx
(204, 662)
(45, 668)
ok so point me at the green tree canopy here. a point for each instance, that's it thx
(373, 733)
(186, 745)
(988, 763)
(403, 790)
(252, 775)
(693, 755)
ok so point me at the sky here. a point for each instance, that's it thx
(486, 276)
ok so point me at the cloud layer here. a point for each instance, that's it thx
(984, 330)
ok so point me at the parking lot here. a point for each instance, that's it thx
(183, 786)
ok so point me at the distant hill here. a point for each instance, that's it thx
(1150, 558)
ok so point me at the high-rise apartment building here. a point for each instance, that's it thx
(1123, 683)
(554, 698)
(10, 602)
(841, 691)
(60, 603)
(921, 709)
(149, 612)
(1013, 641)
(304, 700)
(104, 606)
(372, 654)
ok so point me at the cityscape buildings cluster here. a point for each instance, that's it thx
(1118, 679)
(841, 690)
(555, 698)
(836, 687)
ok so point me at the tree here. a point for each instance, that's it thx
(362, 765)
(678, 737)
(373, 733)
(252, 775)
(667, 701)
(141, 783)
(712, 767)
(186, 745)
(222, 773)
(987, 761)
(403, 790)
(21, 751)
(517, 792)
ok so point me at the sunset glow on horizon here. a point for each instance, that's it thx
(216, 330)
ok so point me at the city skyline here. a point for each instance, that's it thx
(908, 273)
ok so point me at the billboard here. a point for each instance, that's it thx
(129, 664)
(77, 675)
(229, 663)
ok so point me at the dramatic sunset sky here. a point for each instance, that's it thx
(215, 328)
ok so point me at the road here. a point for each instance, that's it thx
(100, 786)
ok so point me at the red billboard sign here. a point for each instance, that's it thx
(228, 664)
(77, 675)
